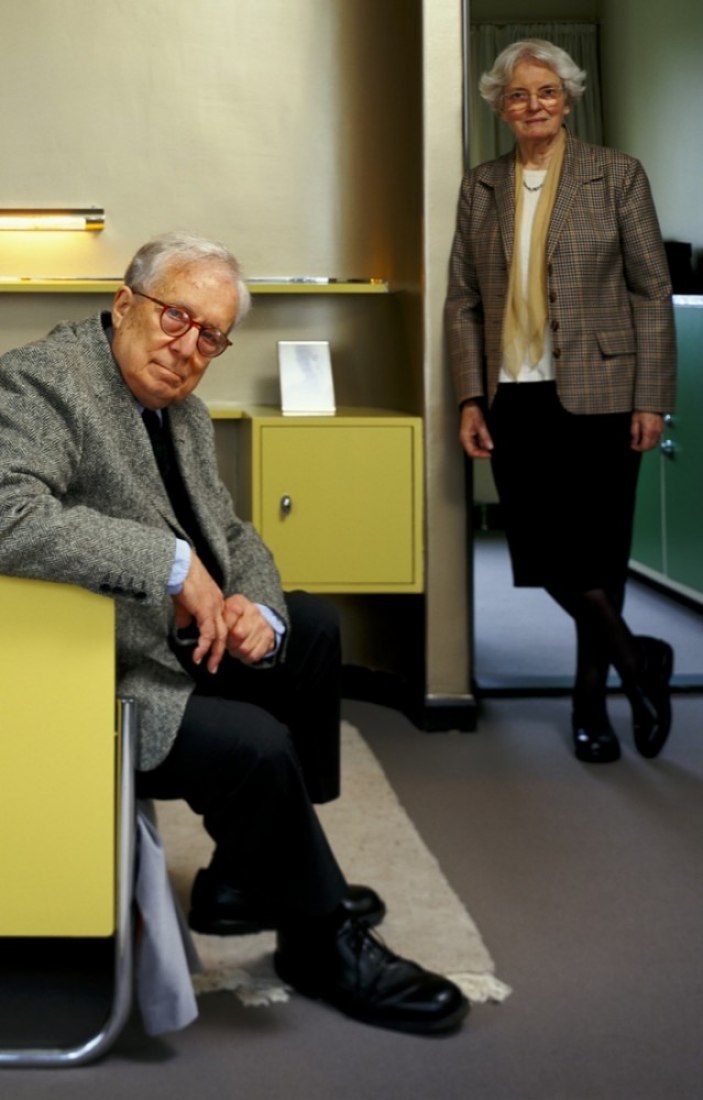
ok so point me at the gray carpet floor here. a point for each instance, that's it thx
(586, 886)
(524, 640)
(585, 883)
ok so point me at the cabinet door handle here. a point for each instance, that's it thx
(668, 447)
(286, 505)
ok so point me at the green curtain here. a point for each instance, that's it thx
(488, 136)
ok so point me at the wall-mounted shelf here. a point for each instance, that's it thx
(225, 410)
(318, 286)
(21, 285)
(109, 284)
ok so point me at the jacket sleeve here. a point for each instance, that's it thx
(463, 313)
(46, 529)
(649, 287)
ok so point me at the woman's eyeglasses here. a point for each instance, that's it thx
(519, 99)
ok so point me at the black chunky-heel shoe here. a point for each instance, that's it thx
(651, 697)
(595, 740)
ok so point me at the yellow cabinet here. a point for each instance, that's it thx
(338, 499)
(57, 760)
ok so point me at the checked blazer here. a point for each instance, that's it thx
(608, 286)
(82, 501)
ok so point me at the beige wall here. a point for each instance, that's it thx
(322, 137)
(294, 132)
(229, 117)
(290, 132)
(448, 611)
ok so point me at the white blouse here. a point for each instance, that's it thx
(544, 370)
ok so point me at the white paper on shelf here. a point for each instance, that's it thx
(305, 369)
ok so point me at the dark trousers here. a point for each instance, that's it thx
(255, 747)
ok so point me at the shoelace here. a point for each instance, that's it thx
(369, 949)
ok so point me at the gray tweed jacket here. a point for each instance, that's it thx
(82, 501)
(608, 291)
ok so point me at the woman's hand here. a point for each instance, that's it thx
(473, 432)
(645, 430)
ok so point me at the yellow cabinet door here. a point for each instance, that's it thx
(339, 503)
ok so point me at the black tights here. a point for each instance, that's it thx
(603, 638)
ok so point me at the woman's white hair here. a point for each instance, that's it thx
(493, 83)
(153, 258)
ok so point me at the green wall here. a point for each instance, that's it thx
(653, 102)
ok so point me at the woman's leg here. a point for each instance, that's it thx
(643, 664)
(602, 638)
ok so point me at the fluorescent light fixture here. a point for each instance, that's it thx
(52, 219)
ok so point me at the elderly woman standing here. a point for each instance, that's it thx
(561, 340)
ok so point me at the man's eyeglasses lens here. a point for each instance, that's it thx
(176, 321)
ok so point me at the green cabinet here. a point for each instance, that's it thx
(668, 533)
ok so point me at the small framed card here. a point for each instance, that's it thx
(305, 369)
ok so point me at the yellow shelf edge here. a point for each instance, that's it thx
(225, 410)
(376, 286)
(11, 284)
(21, 285)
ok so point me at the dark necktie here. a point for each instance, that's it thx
(162, 444)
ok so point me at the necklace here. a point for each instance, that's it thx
(537, 188)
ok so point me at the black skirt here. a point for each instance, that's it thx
(566, 485)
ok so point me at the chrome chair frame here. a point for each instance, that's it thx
(103, 1039)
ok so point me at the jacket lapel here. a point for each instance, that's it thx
(183, 432)
(505, 203)
(113, 394)
(579, 168)
(498, 176)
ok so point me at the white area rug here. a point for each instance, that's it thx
(375, 843)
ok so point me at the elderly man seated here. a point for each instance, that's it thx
(108, 480)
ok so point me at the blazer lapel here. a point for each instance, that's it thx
(113, 394)
(502, 180)
(578, 169)
(182, 425)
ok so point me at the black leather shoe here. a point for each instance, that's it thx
(365, 905)
(217, 909)
(352, 970)
(651, 700)
(595, 742)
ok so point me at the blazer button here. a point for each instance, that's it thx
(552, 296)
(555, 326)
(556, 353)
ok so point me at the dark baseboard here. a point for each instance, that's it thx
(441, 714)
(562, 686)
(433, 715)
